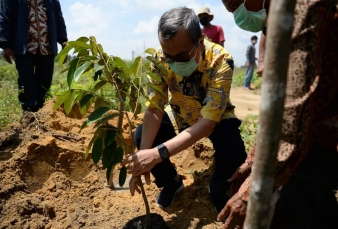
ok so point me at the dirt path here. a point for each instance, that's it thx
(45, 181)
(246, 102)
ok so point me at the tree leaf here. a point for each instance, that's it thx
(82, 44)
(97, 114)
(71, 72)
(118, 155)
(105, 119)
(83, 39)
(120, 64)
(99, 85)
(63, 54)
(97, 150)
(150, 51)
(151, 74)
(80, 70)
(156, 88)
(135, 66)
(93, 47)
(158, 65)
(109, 138)
(62, 98)
(69, 102)
(90, 143)
(122, 176)
(108, 155)
(85, 100)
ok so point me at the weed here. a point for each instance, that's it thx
(249, 131)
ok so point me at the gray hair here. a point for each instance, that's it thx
(172, 20)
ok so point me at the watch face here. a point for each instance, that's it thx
(163, 151)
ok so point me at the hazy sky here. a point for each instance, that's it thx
(123, 26)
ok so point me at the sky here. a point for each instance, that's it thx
(124, 26)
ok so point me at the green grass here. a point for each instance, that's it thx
(239, 75)
(249, 131)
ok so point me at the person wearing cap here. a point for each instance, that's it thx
(198, 78)
(213, 32)
(306, 176)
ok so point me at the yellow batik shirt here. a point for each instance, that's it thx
(205, 93)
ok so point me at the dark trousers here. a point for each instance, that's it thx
(35, 78)
(229, 155)
(307, 200)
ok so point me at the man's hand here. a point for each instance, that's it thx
(8, 55)
(142, 161)
(235, 210)
(248, 64)
(239, 177)
(134, 184)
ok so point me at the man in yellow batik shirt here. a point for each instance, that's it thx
(198, 80)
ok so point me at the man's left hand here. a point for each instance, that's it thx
(235, 210)
(142, 161)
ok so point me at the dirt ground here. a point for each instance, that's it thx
(45, 181)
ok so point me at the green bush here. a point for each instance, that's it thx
(249, 131)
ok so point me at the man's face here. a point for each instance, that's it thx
(254, 41)
(180, 45)
(203, 15)
(251, 5)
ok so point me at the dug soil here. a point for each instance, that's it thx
(46, 182)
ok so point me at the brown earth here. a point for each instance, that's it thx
(46, 182)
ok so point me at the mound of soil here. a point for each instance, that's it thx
(46, 182)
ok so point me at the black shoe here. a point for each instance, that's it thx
(167, 195)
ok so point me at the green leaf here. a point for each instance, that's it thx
(93, 47)
(83, 39)
(149, 100)
(158, 65)
(63, 54)
(71, 72)
(80, 70)
(82, 44)
(119, 155)
(135, 67)
(156, 88)
(97, 114)
(99, 46)
(97, 75)
(62, 98)
(122, 176)
(106, 119)
(97, 150)
(90, 143)
(69, 102)
(84, 124)
(151, 74)
(79, 96)
(109, 138)
(108, 155)
(99, 85)
(150, 51)
(85, 100)
(108, 171)
(120, 63)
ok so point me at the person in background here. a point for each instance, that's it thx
(307, 168)
(199, 76)
(212, 32)
(29, 33)
(250, 63)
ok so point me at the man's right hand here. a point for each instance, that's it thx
(248, 64)
(134, 184)
(8, 55)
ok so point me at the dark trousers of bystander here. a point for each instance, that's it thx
(307, 200)
(35, 78)
(229, 155)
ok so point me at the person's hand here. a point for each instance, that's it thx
(260, 69)
(8, 55)
(142, 161)
(235, 210)
(239, 177)
(248, 64)
(134, 184)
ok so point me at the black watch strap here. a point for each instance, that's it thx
(163, 151)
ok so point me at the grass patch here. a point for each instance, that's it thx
(249, 131)
(239, 75)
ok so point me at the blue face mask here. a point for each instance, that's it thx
(249, 20)
(184, 68)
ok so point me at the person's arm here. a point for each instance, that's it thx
(221, 37)
(248, 51)
(261, 55)
(151, 124)
(6, 29)
(60, 25)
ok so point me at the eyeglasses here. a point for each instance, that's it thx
(181, 57)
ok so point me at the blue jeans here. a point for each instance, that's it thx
(229, 155)
(248, 75)
(35, 78)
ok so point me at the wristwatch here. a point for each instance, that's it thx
(163, 151)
